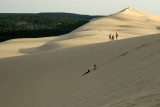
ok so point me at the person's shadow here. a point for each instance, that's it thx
(86, 72)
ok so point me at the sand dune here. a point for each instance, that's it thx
(50, 74)
(128, 23)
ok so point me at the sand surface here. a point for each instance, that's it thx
(46, 72)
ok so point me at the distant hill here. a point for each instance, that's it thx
(56, 14)
(13, 14)
(33, 25)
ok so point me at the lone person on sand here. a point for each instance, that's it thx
(95, 67)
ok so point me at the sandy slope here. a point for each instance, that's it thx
(127, 75)
(12, 48)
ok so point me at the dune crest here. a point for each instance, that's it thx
(136, 12)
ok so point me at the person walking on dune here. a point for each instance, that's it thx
(116, 35)
(110, 37)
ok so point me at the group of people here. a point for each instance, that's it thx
(111, 37)
(95, 67)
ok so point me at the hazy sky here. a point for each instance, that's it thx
(91, 7)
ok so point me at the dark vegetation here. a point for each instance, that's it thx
(14, 25)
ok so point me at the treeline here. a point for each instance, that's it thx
(39, 25)
(69, 15)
